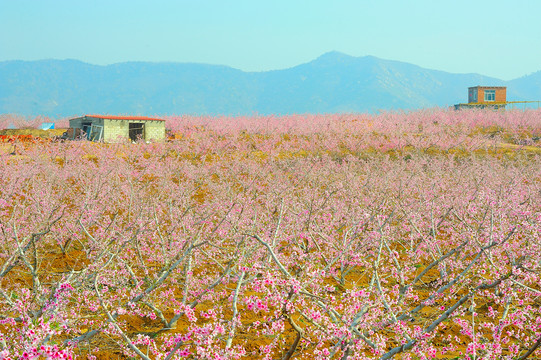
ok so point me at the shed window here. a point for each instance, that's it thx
(136, 131)
(490, 95)
(96, 133)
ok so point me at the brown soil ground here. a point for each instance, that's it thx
(57, 263)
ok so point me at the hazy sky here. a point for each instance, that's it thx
(495, 37)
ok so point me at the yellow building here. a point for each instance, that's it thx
(110, 128)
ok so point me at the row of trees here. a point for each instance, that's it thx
(217, 247)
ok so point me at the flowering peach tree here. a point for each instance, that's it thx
(408, 235)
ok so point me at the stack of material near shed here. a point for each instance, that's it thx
(110, 128)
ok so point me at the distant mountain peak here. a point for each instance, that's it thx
(333, 56)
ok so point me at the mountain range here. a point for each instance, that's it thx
(334, 82)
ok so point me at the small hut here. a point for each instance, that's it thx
(109, 128)
(481, 97)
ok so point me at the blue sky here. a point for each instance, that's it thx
(495, 38)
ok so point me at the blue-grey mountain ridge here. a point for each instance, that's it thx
(332, 83)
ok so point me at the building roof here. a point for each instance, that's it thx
(116, 117)
(487, 87)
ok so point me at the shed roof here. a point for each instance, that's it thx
(116, 117)
(487, 87)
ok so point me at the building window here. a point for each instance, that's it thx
(136, 131)
(490, 95)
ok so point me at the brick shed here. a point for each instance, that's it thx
(485, 97)
(487, 94)
(109, 128)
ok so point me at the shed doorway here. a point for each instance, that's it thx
(137, 131)
(86, 126)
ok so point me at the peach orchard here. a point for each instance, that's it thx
(408, 235)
